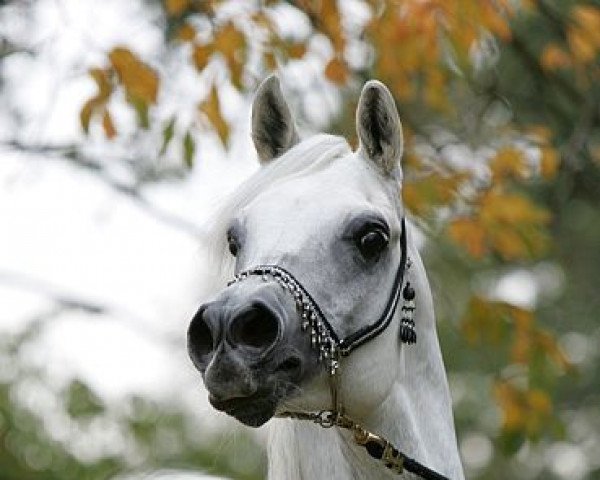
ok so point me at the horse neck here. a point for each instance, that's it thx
(416, 416)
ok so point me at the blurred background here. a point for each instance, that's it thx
(122, 125)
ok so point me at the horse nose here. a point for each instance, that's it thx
(255, 324)
(200, 337)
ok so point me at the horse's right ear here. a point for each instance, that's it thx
(273, 128)
(378, 127)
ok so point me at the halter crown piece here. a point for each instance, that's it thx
(330, 348)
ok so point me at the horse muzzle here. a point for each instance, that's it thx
(249, 349)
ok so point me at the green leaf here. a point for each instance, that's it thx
(81, 401)
(189, 147)
(168, 133)
(141, 108)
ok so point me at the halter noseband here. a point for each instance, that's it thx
(331, 348)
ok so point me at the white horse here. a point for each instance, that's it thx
(313, 326)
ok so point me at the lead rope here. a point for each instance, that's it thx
(327, 344)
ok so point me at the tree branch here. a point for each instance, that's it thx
(71, 154)
(64, 302)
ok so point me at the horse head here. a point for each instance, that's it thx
(329, 221)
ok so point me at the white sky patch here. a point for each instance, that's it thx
(518, 287)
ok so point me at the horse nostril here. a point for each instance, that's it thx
(200, 339)
(256, 327)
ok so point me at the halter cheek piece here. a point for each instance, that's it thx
(330, 348)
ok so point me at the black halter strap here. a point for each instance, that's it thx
(368, 332)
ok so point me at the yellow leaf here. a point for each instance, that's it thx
(539, 133)
(548, 344)
(88, 109)
(101, 78)
(539, 401)
(509, 400)
(295, 50)
(553, 57)
(581, 46)
(140, 81)
(549, 162)
(470, 235)
(177, 7)
(508, 162)
(186, 33)
(510, 209)
(525, 410)
(495, 22)
(423, 194)
(588, 18)
(327, 19)
(108, 125)
(231, 43)
(485, 321)
(212, 109)
(269, 60)
(201, 55)
(336, 71)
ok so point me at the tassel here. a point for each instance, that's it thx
(407, 325)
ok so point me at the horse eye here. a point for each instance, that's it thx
(372, 243)
(233, 244)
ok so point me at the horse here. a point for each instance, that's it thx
(323, 323)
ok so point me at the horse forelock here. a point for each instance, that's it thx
(310, 155)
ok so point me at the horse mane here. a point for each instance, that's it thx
(309, 156)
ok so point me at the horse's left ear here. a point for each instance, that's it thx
(273, 128)
(378, 127)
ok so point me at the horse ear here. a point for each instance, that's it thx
(273, 128)
(378, 127)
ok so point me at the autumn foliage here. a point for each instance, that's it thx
(431, 53)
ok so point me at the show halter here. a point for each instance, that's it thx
(331, 348)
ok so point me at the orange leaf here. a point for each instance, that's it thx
(140, 81)
(470, 235)
(88, 109)
(581, 45)
(510, 209)
(201, 55)
(553, 57)
(269, 60)
(549, 162)
(508, 162)
(295, 50)
(336, 71)
(421, 195)
(212, 109)
(588, 18)
(177, 7)
(101, 78)
(509, 400)
(508, 242)
(186, 33)
(108, 125)
(526, 410)
(231, 43)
